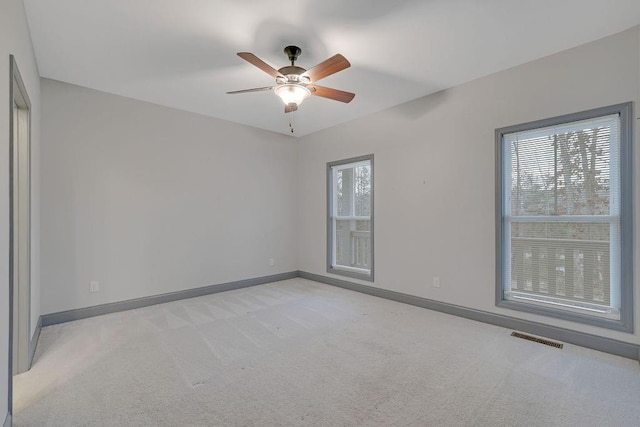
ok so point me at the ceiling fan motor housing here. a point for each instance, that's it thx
(293, 73)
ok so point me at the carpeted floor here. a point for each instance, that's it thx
(303, 353)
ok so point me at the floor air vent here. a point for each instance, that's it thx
(536, 339)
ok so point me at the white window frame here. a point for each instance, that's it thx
(622, 197)
(332, 218)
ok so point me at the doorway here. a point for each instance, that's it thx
(20, 221)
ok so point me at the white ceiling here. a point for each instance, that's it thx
(182, 53)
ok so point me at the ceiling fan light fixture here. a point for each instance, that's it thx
(292, 93)
(295, 84)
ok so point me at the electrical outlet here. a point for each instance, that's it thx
(436, 282)
(272, 262)
(94, 286)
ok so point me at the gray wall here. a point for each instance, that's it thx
(435, 172)
(15, 40)
(148, 200)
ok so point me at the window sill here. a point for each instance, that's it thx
(622, 325)
(354, 273)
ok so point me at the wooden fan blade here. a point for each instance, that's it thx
(326, 68)
(335, 94)
(254, 60)
(257, 89)
(290, 108)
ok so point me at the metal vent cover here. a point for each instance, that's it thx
(536, 339)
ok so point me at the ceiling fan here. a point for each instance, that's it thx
(295, 84)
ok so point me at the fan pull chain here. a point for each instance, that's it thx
(291, 122)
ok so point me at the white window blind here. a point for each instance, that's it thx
(561, 216)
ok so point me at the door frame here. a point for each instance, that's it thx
(18, 96)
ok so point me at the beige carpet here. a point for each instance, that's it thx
(302, 353)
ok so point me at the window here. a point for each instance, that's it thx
(350, 217)
(564, 243)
